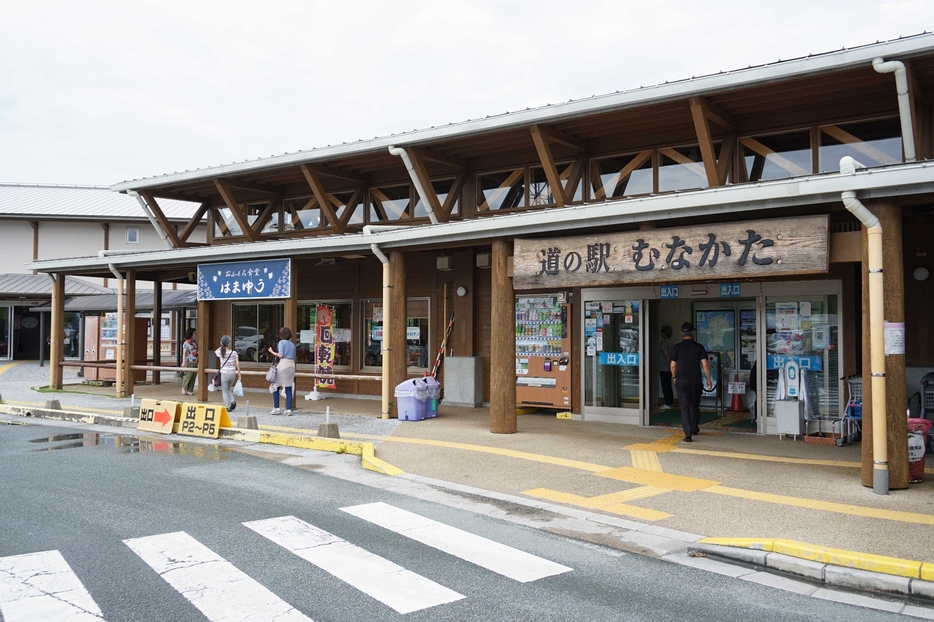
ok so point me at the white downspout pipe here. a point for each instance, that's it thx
(152, 219)
(402, 153)
(387, 288)
(904, 103)
(880, 447)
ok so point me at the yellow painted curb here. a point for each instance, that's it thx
(836, 557)
(370, 462)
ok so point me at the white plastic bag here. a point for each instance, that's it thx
(211, 387)
(238, 389)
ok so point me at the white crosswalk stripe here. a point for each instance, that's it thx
(215, 586)
(394, 586)
(42, 587)
(499, 558)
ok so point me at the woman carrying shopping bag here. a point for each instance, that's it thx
(229, 371)
(285, 371)
(190, 354)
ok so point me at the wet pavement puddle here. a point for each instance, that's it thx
(128, 445)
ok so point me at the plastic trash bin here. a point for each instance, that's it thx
(412, 399)
(434, 396)
(917, 433)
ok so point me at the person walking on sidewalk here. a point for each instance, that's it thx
(687, 359)
(664, 367)
(285, 371)
(230, 371)
(190, 359)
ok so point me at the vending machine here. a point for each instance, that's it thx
(100, 345)
(543, 352)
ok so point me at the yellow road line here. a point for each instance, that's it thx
(826, 506)
(646, 460)
(727, 454)
(608, 503)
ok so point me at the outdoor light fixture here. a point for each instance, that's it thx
(921, 273)
(461, 291)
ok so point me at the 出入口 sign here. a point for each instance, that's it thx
(750, 249)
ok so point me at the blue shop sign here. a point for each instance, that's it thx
(242, 280)
(729, 290)
(622, 359)
(669, 292)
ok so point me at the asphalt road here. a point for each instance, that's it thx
(84, 494)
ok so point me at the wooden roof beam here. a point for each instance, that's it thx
(547, 159)
(233, 182)
(421, 176)
(713, 113)
(562, 138)
(327, 210)
(194, 222)
(224, 189)
(330, 171)
(266, 214)
(436, 156)
(167, 227)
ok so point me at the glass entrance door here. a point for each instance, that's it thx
(6, 332)
(613, 358)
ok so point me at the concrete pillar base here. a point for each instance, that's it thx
(328, 430)
(247, 422)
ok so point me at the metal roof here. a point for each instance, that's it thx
(813, 64)
(41, 285)
(82, 203)
(888, 181)
(105, 303)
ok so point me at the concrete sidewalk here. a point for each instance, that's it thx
(725, 485)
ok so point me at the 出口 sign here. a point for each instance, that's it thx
(751, 249)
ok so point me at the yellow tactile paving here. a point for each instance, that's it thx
(725, 420)
(646, 460)
(661, 480)
(8, 366)
(613, 502)
(826, 506)
(662, 445)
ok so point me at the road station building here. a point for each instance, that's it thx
(562, 239)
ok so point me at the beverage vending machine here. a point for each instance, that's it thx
(543, 352)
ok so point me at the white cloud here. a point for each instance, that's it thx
(99, 92)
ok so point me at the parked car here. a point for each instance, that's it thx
(246, 342)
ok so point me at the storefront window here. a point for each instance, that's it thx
(5, 332)
(340, 330)
(804, 330)
(872, 143)
(777, 156)
(255, 329)
(417, 332)
(622, 176)
(505, 190)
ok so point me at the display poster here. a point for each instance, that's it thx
(786, 316)
(716, 330)
(747, 338)
(820, 337)
(590, 326)
(378, 314)
(306, 336)
(599, 342)
(894, 338)
(324, 351)
(522, 367)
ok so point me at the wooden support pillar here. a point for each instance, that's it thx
(57, 341)
(156, 330)
(395, 362)
(204, 347)
(291, 314)
(502, 344)
(129, 332)
(890, 216)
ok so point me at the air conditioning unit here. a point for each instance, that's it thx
(484, 260)
(445, 263)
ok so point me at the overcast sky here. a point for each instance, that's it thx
(98, 92)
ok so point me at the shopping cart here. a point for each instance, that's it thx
(851, 425)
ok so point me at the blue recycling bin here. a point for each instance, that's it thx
(412, 399)
(434, 396)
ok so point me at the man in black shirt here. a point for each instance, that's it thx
(686, 374)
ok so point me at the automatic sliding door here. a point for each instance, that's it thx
(613, 360)
(6, 333)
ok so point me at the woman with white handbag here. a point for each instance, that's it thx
(229, 371)
(285, 371)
